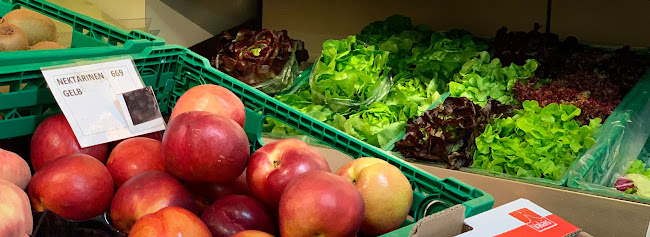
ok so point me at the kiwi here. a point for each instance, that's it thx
(12, 38)
(45, 45)
(36, 26)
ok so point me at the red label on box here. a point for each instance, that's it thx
(536, 225)
(533, 220)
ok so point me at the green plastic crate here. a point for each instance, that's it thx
(28, 100)
(172, 70)
(22, 95)
(86, 31)
(624, 138)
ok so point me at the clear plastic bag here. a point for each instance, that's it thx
(339, 103)
(623, 138)
(283, 81)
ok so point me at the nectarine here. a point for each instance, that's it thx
(54, 139)
(76, 187)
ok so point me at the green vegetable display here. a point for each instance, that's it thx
(482, 79)
(349, 74)
(535, 142)
(421, 63)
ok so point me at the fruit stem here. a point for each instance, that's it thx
(276, 163)
(6, 30)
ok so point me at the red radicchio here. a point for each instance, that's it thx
(623, 184)
(447, 132)
(254, 57)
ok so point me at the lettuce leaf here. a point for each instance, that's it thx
(447, 132)
(481, 79)
(637, 167)
(641, 184)
(348, 70)
(536, 142)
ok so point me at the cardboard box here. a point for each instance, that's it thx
(518, 218)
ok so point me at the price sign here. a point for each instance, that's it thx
(98, 100)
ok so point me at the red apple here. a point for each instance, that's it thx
(134, 156)
(206, 193)
(147, 193)
(251, 233)
(170, 221)
(204, 147)
(154, 135)
(54, 139)
(15, 211)
(76, 187)
(375, 178)
(14, 169)
(235, 213)
(211, 98)
(273, 166)
(318, 203)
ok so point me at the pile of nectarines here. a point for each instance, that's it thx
(199, 178)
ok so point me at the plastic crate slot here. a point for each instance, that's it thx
(282, 110)
(50, 10)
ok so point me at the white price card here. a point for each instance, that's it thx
(92, 98)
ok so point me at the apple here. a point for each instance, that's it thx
(274, 165)
(206, 193)
(318, 203)
(170, 221)
(15, 211)
(76, 187)
(154, 135)
(134, 156)
(14, 168)
(147, 193)
(54, 139)
(211, 98)
(200, 146)
(251, 233)
(375, 178)
(235, 213)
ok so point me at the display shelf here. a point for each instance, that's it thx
(597, 215)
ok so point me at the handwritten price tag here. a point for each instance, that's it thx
(91, 99)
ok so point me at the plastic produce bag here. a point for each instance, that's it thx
(623, 138)
(264, 59)
(349, 73)
(282, 82)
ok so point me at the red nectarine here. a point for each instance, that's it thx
(54, 139)
(204, 147)
(146, 193)
(14, 168)
(170, 221)
(273, 166)
(134, 156)
(211, 98)
(318, 203)
(76, 187)
(15, 211)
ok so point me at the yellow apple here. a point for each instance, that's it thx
(386, 192)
